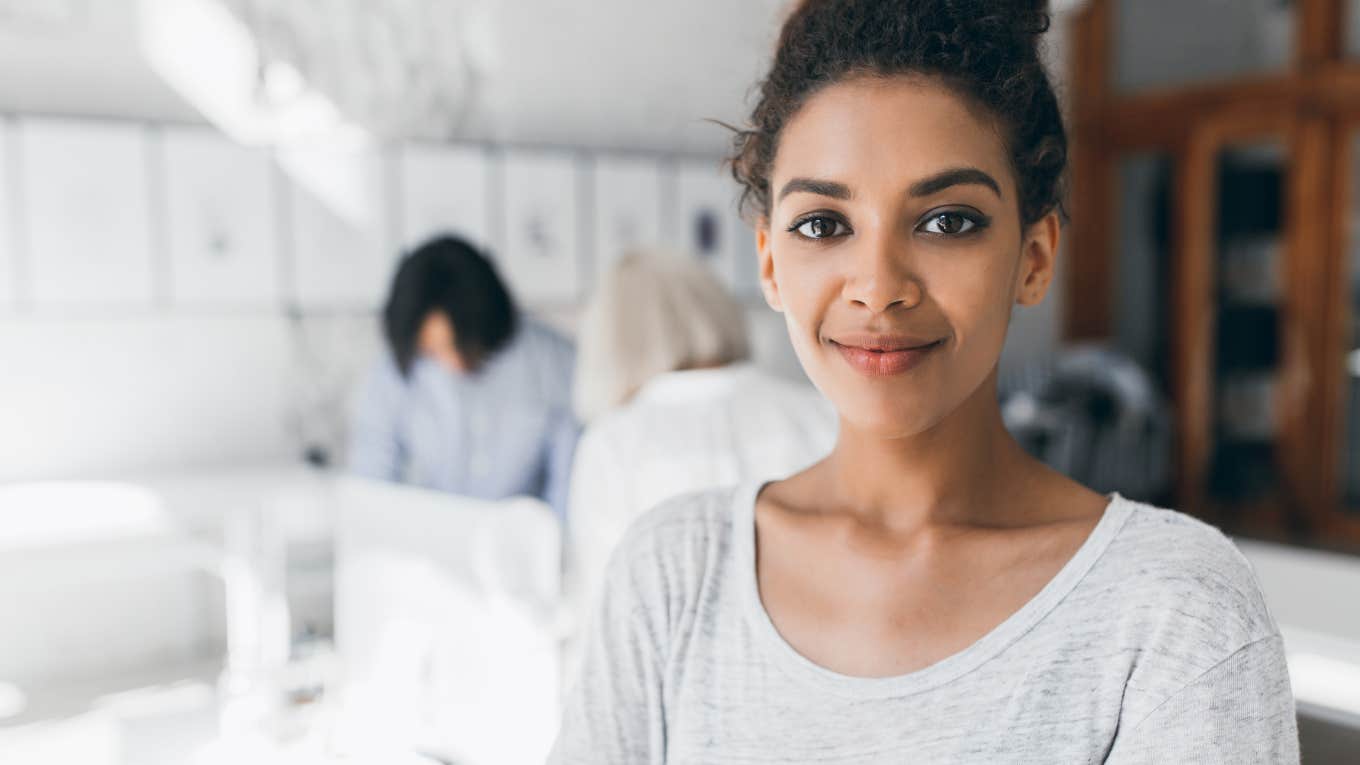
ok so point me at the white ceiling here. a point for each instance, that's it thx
(625, 72)
(602, 73)
(78, 57)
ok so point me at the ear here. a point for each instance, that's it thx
(1038, 257)
(769, 286)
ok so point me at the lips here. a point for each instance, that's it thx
(883, 355)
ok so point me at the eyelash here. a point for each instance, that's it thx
(810, 217)
(977, 220)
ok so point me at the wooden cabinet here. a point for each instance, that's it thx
(1229, 264)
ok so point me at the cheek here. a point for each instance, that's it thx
(803, 279)
(808, 287)
(977, 302)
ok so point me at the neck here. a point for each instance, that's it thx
(954, 473)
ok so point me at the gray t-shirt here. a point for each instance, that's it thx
(1152, 645)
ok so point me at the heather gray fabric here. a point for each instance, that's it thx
(1153, 644)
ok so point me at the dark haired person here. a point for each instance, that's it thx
(928, 592)
(472, 397)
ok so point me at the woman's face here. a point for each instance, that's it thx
(437, 339)
(894, 248)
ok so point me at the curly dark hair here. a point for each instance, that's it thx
(985, 50)
(448, 274)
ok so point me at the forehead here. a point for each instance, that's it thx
(885, 132)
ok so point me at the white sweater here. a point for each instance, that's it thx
(1152, 645)
(684, 431)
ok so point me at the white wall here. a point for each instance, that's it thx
(105, 395)
(93, 396)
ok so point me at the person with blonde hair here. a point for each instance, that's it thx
(672, 404)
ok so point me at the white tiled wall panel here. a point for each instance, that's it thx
(86, 213)
(541, 251)
(221, 224)
(445, 189)
(342, 251)
(626, 207)
(9, 255)
(709, 226)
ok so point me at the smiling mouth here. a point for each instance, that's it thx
(884, 358)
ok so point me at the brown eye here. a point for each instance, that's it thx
(949, 223)
(819, 227)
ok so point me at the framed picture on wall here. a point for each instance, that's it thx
(627, 207)
(86, 213)
(9, 244)
(540, 251)
(342, 248)
(220, 220)
(710, 227)
(444, 189)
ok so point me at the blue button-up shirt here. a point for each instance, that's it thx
(503, 430)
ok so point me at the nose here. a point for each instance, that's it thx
(881, 277)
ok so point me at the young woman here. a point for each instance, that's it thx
(928, 592)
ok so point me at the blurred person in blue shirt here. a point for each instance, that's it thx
(472, 397)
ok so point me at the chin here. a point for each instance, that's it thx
(883, 414)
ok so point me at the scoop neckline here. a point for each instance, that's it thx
(943, 671)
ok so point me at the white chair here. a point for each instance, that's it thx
(444, 623)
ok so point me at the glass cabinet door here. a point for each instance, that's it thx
(1248, 294)
(1239, 333)
(1345, 492)
(1142, 250)
(1350, 39)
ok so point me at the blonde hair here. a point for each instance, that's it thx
(653, 312)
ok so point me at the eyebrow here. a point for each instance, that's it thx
(956, 176)
(936, 183)
(813, 186)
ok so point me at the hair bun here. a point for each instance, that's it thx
(1009, 24)
(985, 50)
(1033, 15)
(1027, 16)
(1032, 6)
